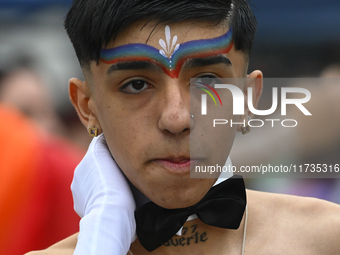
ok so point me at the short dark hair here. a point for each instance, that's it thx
(92, 24)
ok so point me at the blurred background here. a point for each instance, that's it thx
(42, 140)
(297, 39)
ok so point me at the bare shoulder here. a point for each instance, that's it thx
(308, 222)
(64, 247)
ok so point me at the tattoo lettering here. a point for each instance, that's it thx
(194, 238)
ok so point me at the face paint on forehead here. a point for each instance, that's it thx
(172, 56)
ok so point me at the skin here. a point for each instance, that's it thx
(157, 122)
(277, 224)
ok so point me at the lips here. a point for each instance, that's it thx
(176, 165)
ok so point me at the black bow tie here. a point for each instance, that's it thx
(223, 206)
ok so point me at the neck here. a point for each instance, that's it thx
(199, 238)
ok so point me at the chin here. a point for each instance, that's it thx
(180, 204)
(177, 204)
(180, 198)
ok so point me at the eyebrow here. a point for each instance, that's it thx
(133, 65)
(200, 62)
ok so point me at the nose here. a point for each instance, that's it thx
(175, 113)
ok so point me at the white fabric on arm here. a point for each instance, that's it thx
(102, 197)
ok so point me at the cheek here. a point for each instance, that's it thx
(225, 133)
(121, 132)
(211, 142)
(127, 133)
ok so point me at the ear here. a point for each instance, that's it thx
(254, 81)
(82, 100)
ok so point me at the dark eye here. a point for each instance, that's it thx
(207, 79)
(135, 87)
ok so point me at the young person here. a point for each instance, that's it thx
(137, 58)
